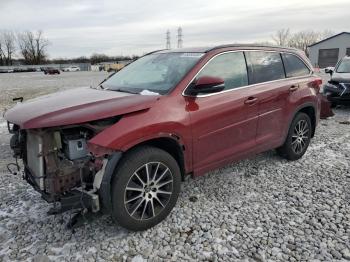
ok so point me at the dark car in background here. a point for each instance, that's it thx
(337, 89)
(51, 71)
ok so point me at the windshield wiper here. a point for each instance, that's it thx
(125, 91)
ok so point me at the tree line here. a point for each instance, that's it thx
(30, 48)
(301, 39)
(93, 59)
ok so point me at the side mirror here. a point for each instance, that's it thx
(329, 70)
(208, 84)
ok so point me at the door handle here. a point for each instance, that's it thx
(293, 88)
(250, 101)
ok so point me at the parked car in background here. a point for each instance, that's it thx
(6, 70)
(124, 148)
(71, 69)
(337, 89)
(51, 71)
(21, 70)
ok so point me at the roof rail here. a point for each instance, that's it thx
(248, 45)
(155, 51)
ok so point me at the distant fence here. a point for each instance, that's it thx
(82, 66)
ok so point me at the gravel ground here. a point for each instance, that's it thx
(260, 209)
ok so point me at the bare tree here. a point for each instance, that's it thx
(281, 37)
(8, 46)
(303, 39)
(98, 58)
(1, 51)
(326, 33)
(33, 47)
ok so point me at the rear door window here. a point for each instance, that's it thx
(294, 66)
(264, 66)
(229, 66)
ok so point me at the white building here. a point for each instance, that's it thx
(330, 50)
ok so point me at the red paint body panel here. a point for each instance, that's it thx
(220, 130)
(75, 106)
(214, 130)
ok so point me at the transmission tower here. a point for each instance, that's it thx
(168, 46)
(179, 37)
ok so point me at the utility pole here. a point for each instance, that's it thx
(168, 46)
(179, 37)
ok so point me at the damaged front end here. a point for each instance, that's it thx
(59, 165)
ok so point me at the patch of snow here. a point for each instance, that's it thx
(138, 258)
(148, 93)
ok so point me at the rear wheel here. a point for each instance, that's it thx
(298, 138)
(145, 188)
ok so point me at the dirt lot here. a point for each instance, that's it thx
(263, 208)
(29, 85)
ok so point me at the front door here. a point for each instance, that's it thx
(223, 124)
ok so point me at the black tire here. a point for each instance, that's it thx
(147, 214)
(333, 104)
(296, 145)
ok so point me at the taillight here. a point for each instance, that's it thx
(316, 84)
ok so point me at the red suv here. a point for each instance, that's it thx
(124, 147)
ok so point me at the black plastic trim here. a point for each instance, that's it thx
(105, 188)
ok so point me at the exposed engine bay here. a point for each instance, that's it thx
(58, 164)
(53, 160)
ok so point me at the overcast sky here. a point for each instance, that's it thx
(125, 27)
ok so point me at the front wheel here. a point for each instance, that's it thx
(298, 138)
(145, 188)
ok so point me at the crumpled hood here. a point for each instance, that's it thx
(341, 77)
(76, 106)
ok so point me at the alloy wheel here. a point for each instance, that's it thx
(300, 136)
(148, 190)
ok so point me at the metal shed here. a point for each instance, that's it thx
(330, 50)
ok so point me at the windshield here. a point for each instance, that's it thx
(344, 66)
(157, 73)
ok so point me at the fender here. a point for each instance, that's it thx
(186, 164)
(139, 127)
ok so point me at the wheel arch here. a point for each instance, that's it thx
(311, 112)
(169, 144)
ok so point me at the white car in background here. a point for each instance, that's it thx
(71, 69)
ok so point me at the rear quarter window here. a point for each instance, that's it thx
(264, 66)
(294, 66)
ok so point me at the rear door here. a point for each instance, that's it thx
(223, 124)
(266, 72)
(299, 75)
